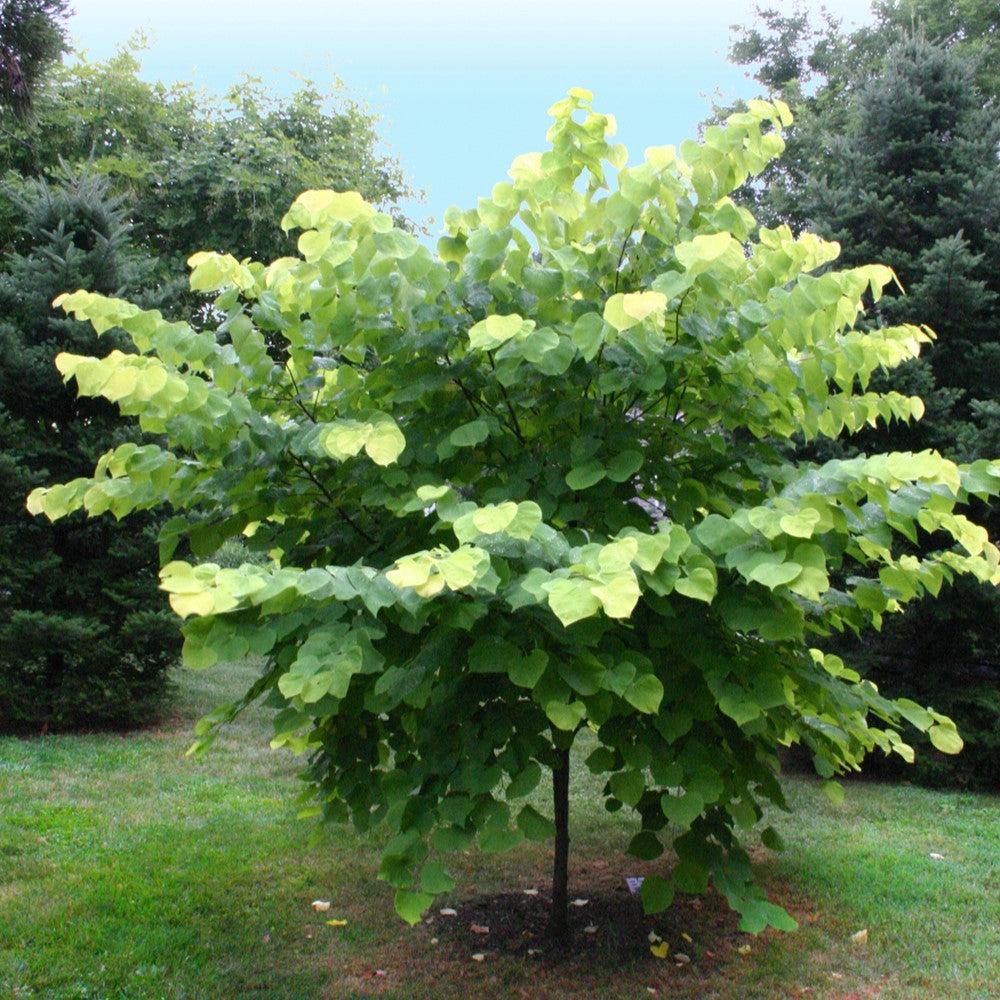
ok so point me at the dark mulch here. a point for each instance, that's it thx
(610, 930)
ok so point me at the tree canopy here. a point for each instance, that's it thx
(533, 483)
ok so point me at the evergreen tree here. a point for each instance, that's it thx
(84, 636)
(970, 27)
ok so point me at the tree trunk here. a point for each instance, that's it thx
(560, 859)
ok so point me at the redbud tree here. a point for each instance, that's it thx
(536, 483)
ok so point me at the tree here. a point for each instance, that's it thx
(85, 639)
(32, 37)
(809, 61)
(531, 484)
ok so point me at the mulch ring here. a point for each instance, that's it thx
(606, 926)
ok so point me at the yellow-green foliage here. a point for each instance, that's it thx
(530, 484)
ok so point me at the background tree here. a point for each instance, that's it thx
(970, 28)
(898, 160)
(532, 485)
(85, 638)
(199, 171)
(32, 37)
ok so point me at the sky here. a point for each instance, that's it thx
(461, 87)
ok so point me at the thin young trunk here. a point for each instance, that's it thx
(560, 859)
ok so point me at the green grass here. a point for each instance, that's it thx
(131, 872)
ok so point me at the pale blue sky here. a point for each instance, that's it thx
(462, 86)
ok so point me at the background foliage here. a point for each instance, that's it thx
(84, 637)
(32, 37)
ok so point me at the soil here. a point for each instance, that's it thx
(609, 929)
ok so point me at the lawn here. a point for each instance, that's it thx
(131, 872)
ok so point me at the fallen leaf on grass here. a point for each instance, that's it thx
(660, 950)
(321, 905)
(681, 959)
(448, 912)
(336, 923)
(687, 937)
(479, 929)
(860, 937)
(744, 949)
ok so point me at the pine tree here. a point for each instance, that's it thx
(84, 637)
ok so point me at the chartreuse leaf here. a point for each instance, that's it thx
(496, 517)
(563, 716)
(645, 693)
(495, 331)
(703, 251)
(945, 739)
(699, 581)
(623, 311)
(572, 600)
(428, 573)
(412, 905)
(381, 439)
(518, 520)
